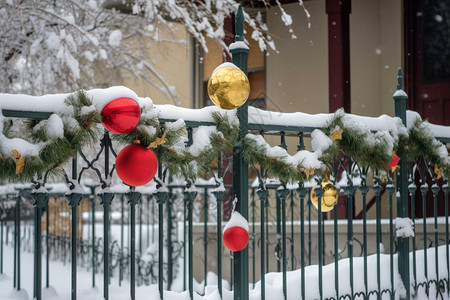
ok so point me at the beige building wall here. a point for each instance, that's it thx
(297, 77)
(173, 62)
(375, 55)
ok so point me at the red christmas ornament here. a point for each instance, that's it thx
(136, 165)
(394, 161)
(121, 115)
(235, 233)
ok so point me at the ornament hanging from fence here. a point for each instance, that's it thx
(228, 86)
(121, 115)
(329, 197)
(235, 234)
(394, 162)
(136, 165)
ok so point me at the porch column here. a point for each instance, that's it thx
(338, 12)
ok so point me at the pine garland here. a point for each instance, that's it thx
(179, 160)
(366, 148)
(278, 166)
(81, 122)
(79, 129)
(420, 141)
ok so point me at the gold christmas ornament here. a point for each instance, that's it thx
(228, 87)
(438, 171)
(337, 134)
(329, 196)
(20, 162)
(158, 141)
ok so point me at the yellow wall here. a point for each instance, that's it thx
(375, 54)
(297, 77)
(173, 63)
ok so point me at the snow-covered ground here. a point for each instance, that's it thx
(60, 283)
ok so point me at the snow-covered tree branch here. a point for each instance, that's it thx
(51, 46)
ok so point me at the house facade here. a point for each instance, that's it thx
(347, 58)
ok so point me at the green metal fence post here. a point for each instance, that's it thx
(302, 191)
(282, 194)
(133, 199)
(319, 193)
(122, 232)
(73, 198)
(169, 239)
(240, 168)
(402, 186)
(106, 200)
(1, 244)
(40, 199)
(189, 196)
(161, 197)
(219, 195)
(92, 198)
(47, 248)
(205, 235)
(263, 195)
(17, 245)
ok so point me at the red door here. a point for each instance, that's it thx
(427, 58)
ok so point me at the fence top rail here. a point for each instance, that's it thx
(271, 122)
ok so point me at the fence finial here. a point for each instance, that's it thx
(239, 25)
(399, 78)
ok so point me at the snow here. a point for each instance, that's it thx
(171, 112)
(237, 45)
(40, 190)
(60, 280)
(55, 127)
(226, 64)
(201, 140)
(100, 97)
(304, 158)
(220, 188)
(115, 38)
(24, 148)
(53, 41)
(320, 142)
(77, 189)
(436, 130)
(191, 189)
(400, 93)
(174, 126)
(236, 220)
(54, 103)
(404, 226)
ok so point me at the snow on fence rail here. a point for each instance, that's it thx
(19, 105)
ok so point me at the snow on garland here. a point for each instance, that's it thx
(420, 140)
(344, 134)
(49, 143)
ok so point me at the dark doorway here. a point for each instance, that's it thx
(427, 58)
